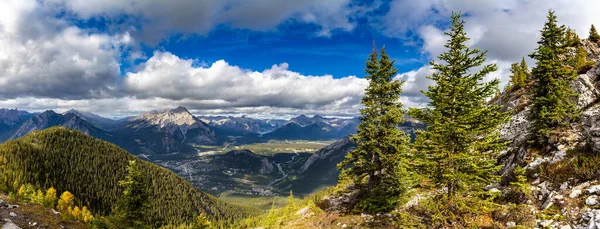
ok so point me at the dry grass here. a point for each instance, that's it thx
(33, 213)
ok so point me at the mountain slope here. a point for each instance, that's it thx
(50, 118)
(97, 120)
(162, 132)
(315, 128)
(242, 124)
(11, 119)
(320, 169)
(91, 169)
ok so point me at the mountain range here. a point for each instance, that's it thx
(10, 119)
(176, 130)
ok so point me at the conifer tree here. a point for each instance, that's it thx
(460, 141)
(594, 36)
(553, 100)
(572, 38)
(377, 167)
(515, 78)
(132, 206)
(524, 68)
(519, 71)
(580, 61)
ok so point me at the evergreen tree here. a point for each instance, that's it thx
(460, 141)
(580, 61)
(520, 73)
(377, 167)
(594, 36)
(515, 78)
(131, 209)
(525, 68)
(572, 38)
(553, 100)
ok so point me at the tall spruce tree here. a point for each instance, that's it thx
(525, 70)
(594, 36)
(520, 73)
(572, 39)
(132, 207)
(553, 100)
(377, 167)
(461, 138)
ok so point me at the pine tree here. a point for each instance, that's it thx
(525, 69)
(594, 36)
(515, 78)
(133, 205)
(572, 38)
(519, 74)
(377, 167)
(460, 141)
(553, 100)
(580, 61)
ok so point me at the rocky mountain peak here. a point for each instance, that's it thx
(180, 109)
(179, 116)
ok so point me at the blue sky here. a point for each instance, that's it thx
(340, 53)
(263, 58)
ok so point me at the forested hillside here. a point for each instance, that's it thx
(91, 169)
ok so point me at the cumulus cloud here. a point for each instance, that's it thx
(42, 56)
(152, 20)
(508, 30)
(221, 85)
(48, 62)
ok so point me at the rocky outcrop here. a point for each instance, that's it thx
(591, 124)
(585, 131)
(581, 133)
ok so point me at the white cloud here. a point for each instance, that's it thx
(221, 85)
(47, 62)
(153, 20)
(508, 30)
(41, 56)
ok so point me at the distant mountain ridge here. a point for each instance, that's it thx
(50, 118)
(11, 119)
(316, 128)
(178, 131)
(243, 124)
(97, 120)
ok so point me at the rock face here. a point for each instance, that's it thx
(518, 129)
(583, 133)
(164, 132)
